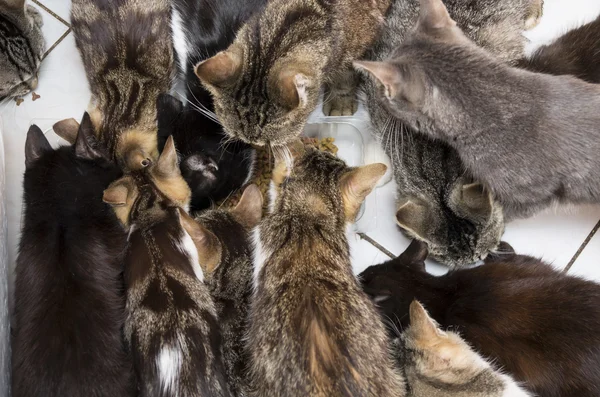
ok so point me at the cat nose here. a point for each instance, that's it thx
(33, 83)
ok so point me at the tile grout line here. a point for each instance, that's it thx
(375, 244)
(57, 42)
(49, 11)
(582, 247)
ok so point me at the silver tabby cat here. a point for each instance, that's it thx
(21, 48)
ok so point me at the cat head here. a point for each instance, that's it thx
(146, 195)
(423, 84)
(22, 49)
(261, 101)
(441, 363)
(321, 186)
(82, 170)
(221, 239)
(391, 285)
(459, 229)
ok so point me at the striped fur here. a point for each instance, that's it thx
(312, 331)
(293, 45)
(171, 320)
(127, 52)
(428, 172)
(21, 48)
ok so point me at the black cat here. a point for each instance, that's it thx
(69, 298)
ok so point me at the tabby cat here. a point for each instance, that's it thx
(576, 53)
(440, 364)
(69, 297)
(268, 81)
(538, 324)
(21, 49)
(230, 283)
(532, 139)
(312, 331)
(171, 323)
(438, 202)
(126, 48)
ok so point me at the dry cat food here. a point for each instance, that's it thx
(19, 101)
(264, 165)
(35, 96)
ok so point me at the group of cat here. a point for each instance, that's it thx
(128, 281)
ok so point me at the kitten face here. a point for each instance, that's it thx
(272, 113)
(24, 44)
(148, 193)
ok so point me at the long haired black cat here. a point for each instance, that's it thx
(69, 298)
(212, 164)
(536, 323)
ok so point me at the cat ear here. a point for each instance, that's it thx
(167, 162)
(117, 193)
(473, 198)
(223, 69)
(386, 73)
(293, 87)
(248, 211)
(433, 15)
(86, 144)
(420, 322)
(208, 245)
(356, 186)
(35, 145)
(412, 217)
(416, 253)
(67, 129)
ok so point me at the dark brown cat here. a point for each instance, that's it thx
(576, 53)
(538, 324)
(268, 81)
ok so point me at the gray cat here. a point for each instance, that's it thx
(21, 48)
(438, 201)
(441, 364)
(533, 139)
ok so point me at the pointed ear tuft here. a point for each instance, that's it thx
(67, 129)
(415, 253)
(208, 245)
(356, 186)
(293, 88)
(420, 322)
(433, 15)
(412, 217)
(223, 69)
(387, 74)
(35, 145)
(248, 211)
(167, 162)
(116, 194)
(86, 145)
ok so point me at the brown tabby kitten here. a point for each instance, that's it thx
(230, 283)
(312, 331)
(268, 81)
(171, 321)
(441, 364)
(126, 49)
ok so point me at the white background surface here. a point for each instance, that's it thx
(555, 236)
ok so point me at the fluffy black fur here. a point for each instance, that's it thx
(69, 298)
(536, 323)
(212, 164)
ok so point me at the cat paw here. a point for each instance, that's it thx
(341, 105)
(35, 15)
(203, 164)
(534, 14)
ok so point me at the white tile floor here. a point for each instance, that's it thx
(557, 237)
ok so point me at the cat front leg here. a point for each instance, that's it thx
(340, 95)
